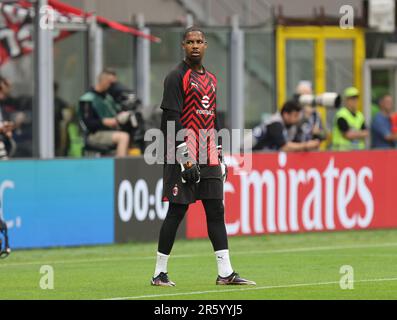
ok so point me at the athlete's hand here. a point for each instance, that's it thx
(191, 173)
(222, 163)
(225, 171)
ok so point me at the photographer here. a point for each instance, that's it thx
(102, 116)
(7, 144)
(131, 120)
(310, 127)
(279, 132)
(4, 245)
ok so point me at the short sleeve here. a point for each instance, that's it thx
(173, 92)
(343, 125)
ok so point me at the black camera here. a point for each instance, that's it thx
(125, 97)
(131, 120)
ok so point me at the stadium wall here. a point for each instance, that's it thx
(101, 201)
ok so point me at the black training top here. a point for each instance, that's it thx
(192, 96)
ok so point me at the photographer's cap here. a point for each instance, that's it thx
(351, 92)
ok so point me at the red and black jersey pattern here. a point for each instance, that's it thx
(198, 115)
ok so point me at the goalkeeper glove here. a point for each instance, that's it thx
(222, 163)
(190, 171)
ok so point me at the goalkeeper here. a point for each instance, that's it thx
(189, 102)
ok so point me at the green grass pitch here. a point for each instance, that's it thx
(297, 266)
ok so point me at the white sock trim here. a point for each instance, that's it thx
(162, 254)
(222, 251)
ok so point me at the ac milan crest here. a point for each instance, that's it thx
(175, 190)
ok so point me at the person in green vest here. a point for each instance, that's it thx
(349, 130)
(102, 116)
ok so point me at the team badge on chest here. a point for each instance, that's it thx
(175, 190)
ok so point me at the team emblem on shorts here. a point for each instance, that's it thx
(175, 190)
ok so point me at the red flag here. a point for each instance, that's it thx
(65, 8)
(16, 26)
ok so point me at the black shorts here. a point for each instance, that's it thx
(209, 187)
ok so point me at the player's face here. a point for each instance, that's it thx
(194, 46)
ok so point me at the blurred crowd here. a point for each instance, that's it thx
(299, 127)
(107, 120)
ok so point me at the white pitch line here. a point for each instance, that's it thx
(275, 251)
(247, 289)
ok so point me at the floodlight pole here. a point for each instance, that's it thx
(43, 106)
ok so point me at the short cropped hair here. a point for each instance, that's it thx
(192, 29)
(291, 106)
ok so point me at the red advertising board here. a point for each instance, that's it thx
(302, 192)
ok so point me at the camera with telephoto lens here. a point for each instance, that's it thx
(330, 100)
(125, 97)
(131, 106)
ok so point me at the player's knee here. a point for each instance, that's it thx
(176, 212)
(216, 212)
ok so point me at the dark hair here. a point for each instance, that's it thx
(192, 29)
(291, 106)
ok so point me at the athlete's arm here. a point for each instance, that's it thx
(171, 115)
(173, 92)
